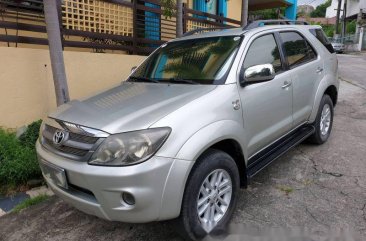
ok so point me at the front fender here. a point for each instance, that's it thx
(211, 134)
(186, 157)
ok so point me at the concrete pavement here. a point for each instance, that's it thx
(322, 188)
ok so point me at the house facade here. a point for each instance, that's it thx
(129, 26)
(92, 32)
(353, 8)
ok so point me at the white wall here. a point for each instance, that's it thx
(353, 7)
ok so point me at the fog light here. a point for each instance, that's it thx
(128, 198)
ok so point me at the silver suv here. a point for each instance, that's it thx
(192, 124)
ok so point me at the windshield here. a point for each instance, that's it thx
(196, 61)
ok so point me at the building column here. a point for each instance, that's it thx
(222, 10)
(200, 5)
(290, 11)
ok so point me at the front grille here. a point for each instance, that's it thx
(74, 136)
(66, 149)
(76, 146)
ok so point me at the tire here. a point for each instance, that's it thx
(319, 137)
(189, 224)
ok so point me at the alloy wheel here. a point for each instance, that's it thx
(214, 198)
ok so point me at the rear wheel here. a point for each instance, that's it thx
(210, 195)
(324, 121)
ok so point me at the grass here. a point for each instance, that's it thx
(29, 202)
(18, 158)
(286, 189)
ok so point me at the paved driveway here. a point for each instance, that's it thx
(318, 187)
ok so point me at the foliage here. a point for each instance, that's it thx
(267, 13)
(30, 202)
(18, 158)
(30, 136)
(351, 27)
(286, 189)
(328, 30)
(168, 7)
(320, 10)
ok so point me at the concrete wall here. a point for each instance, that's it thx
(26, 84)
(234, 9)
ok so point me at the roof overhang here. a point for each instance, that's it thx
(265, 4)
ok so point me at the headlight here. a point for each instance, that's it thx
(129, 148)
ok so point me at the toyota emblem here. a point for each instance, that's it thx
(59, 137)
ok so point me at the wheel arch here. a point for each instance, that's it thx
(324, 88)
(333, 93)
(225, 135)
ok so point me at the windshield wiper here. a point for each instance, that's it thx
(179, 80)
(143, 79)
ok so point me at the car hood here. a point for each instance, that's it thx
(130, 106)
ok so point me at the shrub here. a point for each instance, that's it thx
(29, 137)
(18, 158)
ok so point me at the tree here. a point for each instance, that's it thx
(56, 54)
(320, 10)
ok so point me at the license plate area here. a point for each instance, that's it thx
(54, 174)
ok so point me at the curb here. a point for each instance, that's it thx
(8, 203)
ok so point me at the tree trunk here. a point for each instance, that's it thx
(56, 54)
(179, 22)
(244, 12)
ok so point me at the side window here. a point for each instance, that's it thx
(320, 35)
(296, 48)
(263, 50)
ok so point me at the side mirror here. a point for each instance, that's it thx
(256, 74)
(133, 69)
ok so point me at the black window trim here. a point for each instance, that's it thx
(328, 45)
(282, 57)
(308, 44)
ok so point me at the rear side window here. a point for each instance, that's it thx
(298, 51)
(263, 50)
(320, 35)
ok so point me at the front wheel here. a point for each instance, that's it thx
(210, 195)
(323, 122)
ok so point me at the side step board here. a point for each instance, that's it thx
(262, 159)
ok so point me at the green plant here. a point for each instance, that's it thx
(286, 189)
(351, 27)
(30, 202)
(18, 158)
(320, 10)
(30, 136)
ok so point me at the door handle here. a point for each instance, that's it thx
(286, 84)
(319, 70)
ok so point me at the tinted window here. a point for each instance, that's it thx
(320, 35)
(296, 48)
(203, 60)
(263, 50)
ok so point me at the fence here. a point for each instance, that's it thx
(136, 27)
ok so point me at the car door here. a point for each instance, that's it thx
(267, 106)
(306, 69)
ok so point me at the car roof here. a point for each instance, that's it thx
(240, 31)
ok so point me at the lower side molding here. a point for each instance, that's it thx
(277, 149)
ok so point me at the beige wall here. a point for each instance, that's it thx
(26, 84)
(234, 9)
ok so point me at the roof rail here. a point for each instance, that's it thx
(260, 23)
(198, 30)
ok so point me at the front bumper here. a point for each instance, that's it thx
(157, 186)
(339, 49)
